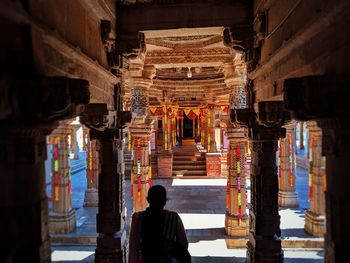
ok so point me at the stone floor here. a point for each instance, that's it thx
(201, 205)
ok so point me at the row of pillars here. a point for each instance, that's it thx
(236, 219)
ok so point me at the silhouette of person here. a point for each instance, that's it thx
(154, 229)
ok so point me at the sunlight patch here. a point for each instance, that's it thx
(214, 248)
(59, 255)
(199, 182)
(291, 219)
(203, 221)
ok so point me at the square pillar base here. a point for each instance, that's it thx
(61, 222)
(287, 199)
(264, 250)
(236, 227)
(110, 248)
(91, 197)
(315, 224)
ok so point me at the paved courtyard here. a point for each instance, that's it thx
(201, 205)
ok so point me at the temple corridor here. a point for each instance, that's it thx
(239, 107)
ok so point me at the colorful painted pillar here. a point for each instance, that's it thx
(62, 215)
(315, 215)
(92, 172)
(287, 196)
(165, 157)
(211, 128)
(141, 169)
(236, 218)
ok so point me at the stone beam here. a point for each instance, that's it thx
(158, 16)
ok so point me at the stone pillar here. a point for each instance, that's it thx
(24, 217)
(165, 157)
(264, 237)
(62, 215)
(211, 129)
(336, 148)
(236, 218)
(141, 129)
(111, 238)
(301, 136)
(325, 98)
(74, 142)
(315, 215)
(141, 174)
(27, 118)
(287, 197)
(92, 172)
(264, 243)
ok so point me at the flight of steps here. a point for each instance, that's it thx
(188, 161)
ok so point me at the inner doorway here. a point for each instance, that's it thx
(187, 127)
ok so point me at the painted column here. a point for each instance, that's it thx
(92, 172)
(62, 215)
(141, 173)
(236, 218)
(315, 215)
(287, 196)
(211, 124)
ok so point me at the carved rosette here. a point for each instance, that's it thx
(139, 101)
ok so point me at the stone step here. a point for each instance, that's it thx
(189, 167)
(189, 172)
(189, 162)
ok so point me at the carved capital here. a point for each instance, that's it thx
(47, 99)
(317, 97)
(335, 136)
(94, 116)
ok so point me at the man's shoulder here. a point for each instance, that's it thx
(171, 213)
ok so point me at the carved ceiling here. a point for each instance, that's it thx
(190, 66)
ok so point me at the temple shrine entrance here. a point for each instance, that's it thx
(187, 127)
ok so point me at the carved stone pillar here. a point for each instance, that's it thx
(336, 148)
(141, 174)
(264, 235)
(315, 215)
(287, 197)
(62, 215)
(111, 238)
(325, 98)
(211, 128)
(30, 108)
(236, 218)
(24, 218)
(92, 172)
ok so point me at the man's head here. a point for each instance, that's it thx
(157, 197)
